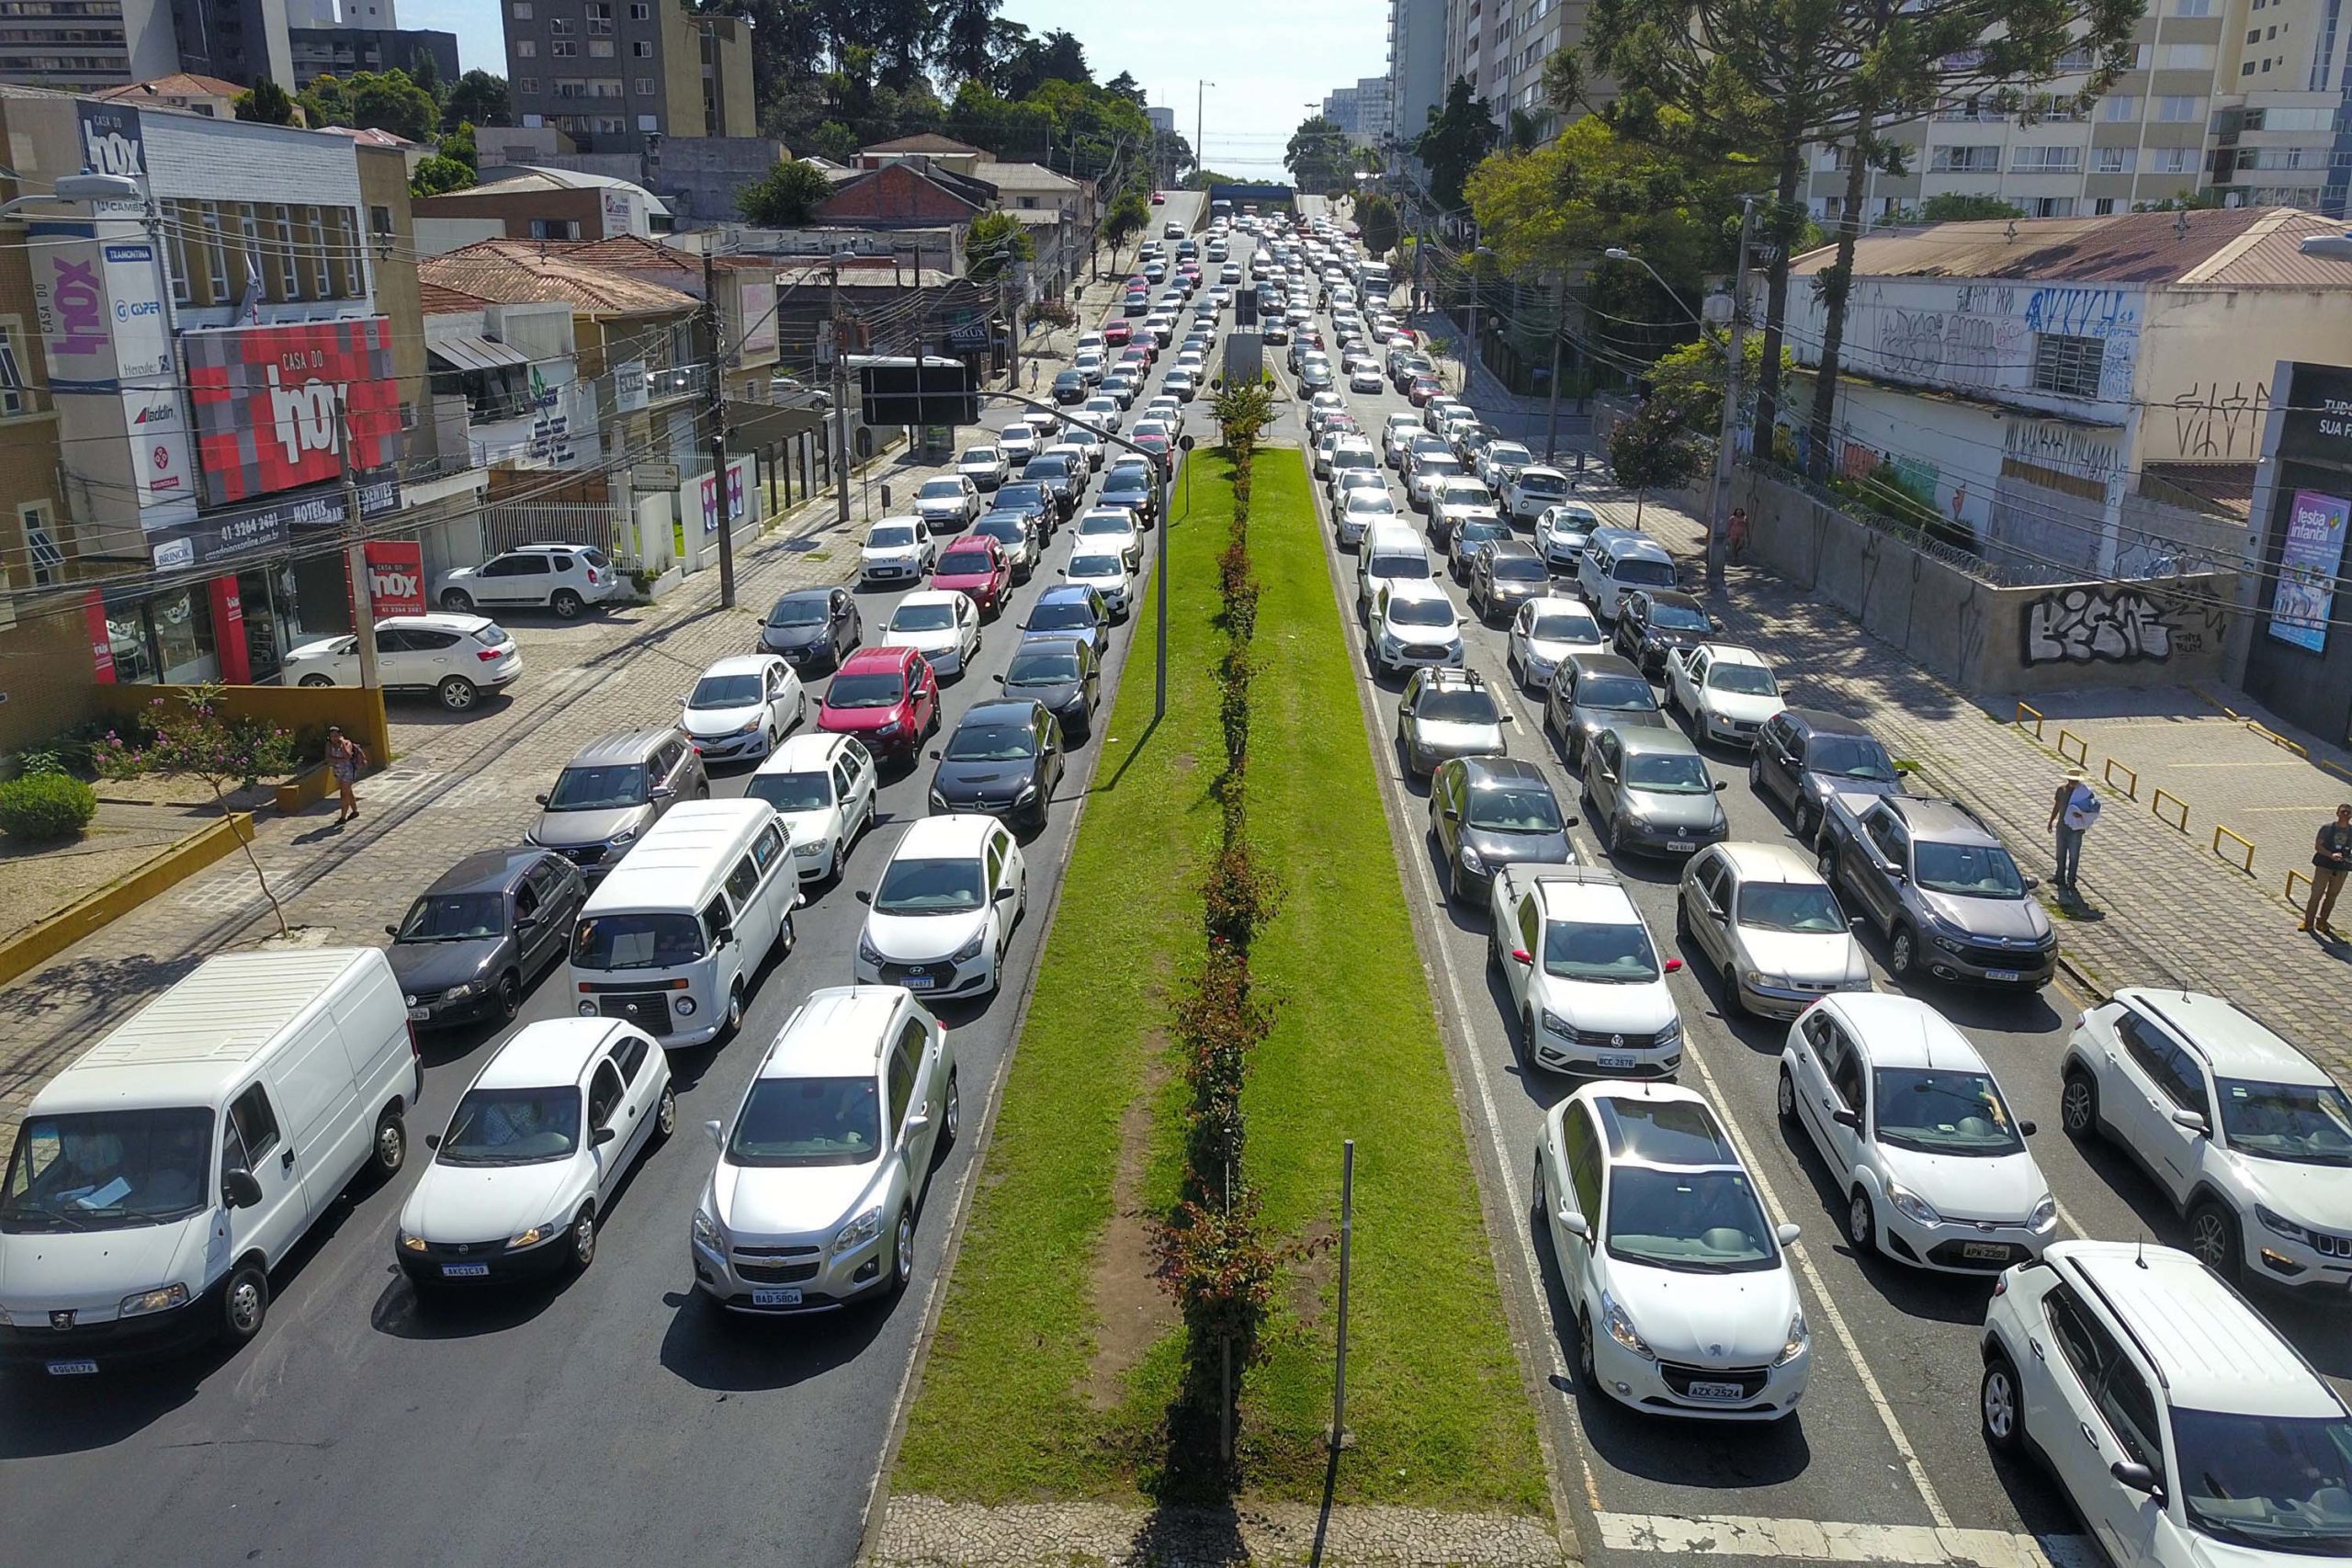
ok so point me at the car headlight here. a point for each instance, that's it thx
(1026, 792)
(162, 1299)
(707, 1235)
(971, 949)
(1947, 943)
(1671, 1031)
(623, 837)
(411, 1242)
(938, 799)
(1470, 860)
(1793, 1347)
(1761, 981)
(1554, 1024)
(460, 992)
(750, 727)
(2273, 1220)
(859, 1231)
(867, 953)
(1620, 1328)
(1914, 1207)
(888, 726)
(545, 1232)
(684, 1007)
(2044, 1215)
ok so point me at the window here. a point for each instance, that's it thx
(2046, 160)
(2068, 366)
(600, 49)
(605, 87)
(255, 1123)
(640, 10)
(2087, 1346)
(2176, 160)
(2143, 56)
(521, 10)
(642, 49)
(288, 282)
(902, 1085)
(2131, 1413)
(2112, 160)
(604, 1094)
(1965, 160)
(41, 546)
(2192, 8)
(630, 1056)
(600, 18)
(179, 222)
(2120, 107)
(768, 846)
(2103, 206)
(571, 87)
(14, 398)
(2175, 109)
(528, 86)
(742, 881)
(527, 49)
(560, 26)
(346, 243)
(2165, 1064)
(1580, 1146)
(564, 49)
(644, 90)
(2188, 57)
(249, 231)
(214, 247)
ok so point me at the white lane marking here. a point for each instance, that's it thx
(1811, 1541)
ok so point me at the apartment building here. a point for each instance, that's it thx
(1417, 34)
(82, 46)
(343, 51)
(1361, 111)
(1501, 46)
(620, 75)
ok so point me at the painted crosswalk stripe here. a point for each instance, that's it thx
(1813, 1541)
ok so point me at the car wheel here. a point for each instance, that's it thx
(2000, 1408)
(734, 1020)
(1586, 1369)
(388, 1152)
(1755, 774)
(457, 694)
(580, 1240)
(1862, 1223)
(245, 1305)
(509, 997)
(1681, 918)
(316, 681)
(456, 601)
(951, 1114)
(2078, 1106)
(1902, 953)
(566, 604)
(902, 1250)
(1805, 822)
(1825, 861)
(1784, 1097)
(2214, 1238)
(665, 1115)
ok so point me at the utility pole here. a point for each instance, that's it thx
(363, 591)
(1726, 441)
(718, 428)
(840, 400)
(1551, 412)
(1200, 134)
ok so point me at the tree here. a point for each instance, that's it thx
(187, 735)
(1954, 206)
(1690, 376)
(1458, 136)
(454, 168)
(1653, 451)
(996, 242)
(1317, 154)
(1124, 85)
(374, 100)
(965, 33)
(325, 102)
(786, 196)
(1376, 218)
(1200, 179)
(1553, 209)
(1056, 57)
(481, 98)
(1129, 216)
(265, 103)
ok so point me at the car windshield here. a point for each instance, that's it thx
(1429, 612)
(1051, 669)
(1371, 498)
(1437, 465)
(1667, 772)
(1639, 573)
(928, 888)
(1677, 617)
(1968, 871)
(941, 490)
(1518, 568)
(606, 788)
(928, 617)
(1807, 907)
(2273, 1482)
(1564, 625)
(1003, 530)
(789, 1121)
(1048, 467)
(1061, 616)
(1699, 1221)
(982, 457)
(1022, 498)
(1097, 566)
(108, 1170)
(454, 916)
(513, 1126)
(872, 691)
(1542, 485)
(803, 612)
(793, 792)
(1933, 1112)
(1094, 523)
(1743, 680)
(961, 563)
(990, 743)
(2308, 1124)
(1523, 809)
(1848, 757)
(1018, 435)
(1507, 453)
(1611, 953)
(891, 536)
(725, 692)
(636, 942)
(1456, 704)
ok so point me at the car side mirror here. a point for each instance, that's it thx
(717, 1134)
(1721, 784)
(541, 797)
(918, 1121)
(1003, 894)
(2028, 1129)
(1844, 1118)
(1787, 1234)
(432, 1140)
(1715, 623)
(605, 1135)
(2138, 1477)
(2031, 882)
(239, 1189)
(393, 930)
(934, 753)
(1574, 1223)
(664, 792)
(2191, 1121)
(864, 897)
(1521, 955)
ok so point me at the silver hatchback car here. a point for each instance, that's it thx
(1652, 790)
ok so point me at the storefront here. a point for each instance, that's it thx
(2299, 661)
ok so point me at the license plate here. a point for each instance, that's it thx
(920, 982)
(1615, 1061)
(72, 1368)
(2001, 975)
(1715, 1390)
(418, 1015)
(780, 1296)
(465, 1270)
(1995, 1251)
(1681, 844)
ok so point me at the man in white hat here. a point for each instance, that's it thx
(2073, 810)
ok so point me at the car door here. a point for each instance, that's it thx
(2093, 1410)
(1881, 859)
(1519, 973)
(1834, 1084)
(1774, 744)
(1692, 677)
(843, 611)
(1587, 1182)
(2163, 1078)
(967, 625)
(915, 1055)
(518, 579)
(628, 1060)
(1600, 771)
(608, 1109)
(1014, 875)
(252, 1139)
(1712, 889)
(1445, 810)
(753, 919)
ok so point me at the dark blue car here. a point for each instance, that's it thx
(1070, 611)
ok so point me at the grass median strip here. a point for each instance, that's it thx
(1051, 1370)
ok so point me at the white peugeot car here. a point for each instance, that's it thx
(742, 706)
(1917, 1135)
(944, 909)
(897, 549)
(453, 656)
(1582, 974)
(941, 624)
(823, 787)
(1546, 631)
(1728, 692)
(826, 1162)
(534, 1152)
(1684, 1299)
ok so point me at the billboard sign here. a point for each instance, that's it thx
(755, 305)
(277, 405)
(2308, 562)
(631, 390)
(2318, 416)
(267, 524)
(619, 213)
(735, 472)
(396, 577)
(100, 307)
(113, 144)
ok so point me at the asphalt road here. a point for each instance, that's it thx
(613, 1419)
(1887, 1435)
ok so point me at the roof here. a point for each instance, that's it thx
(471, 351)
(1501, 772)
(440, 299)
(681, 842)
(371, 137)
(2235, 247)
(550, 1052)
(956, 834)
(1660, 1123)
(923, 141)
(1585, 892)
(2231, 1040)
(518, 272)
(1759, 862)
(742, 664)
(838, 1030)
(1004, 710)
(1941, 821)
(1903, 1032)
(535, 177)
(1821, 721)
(623, 746)
(178, 84)
(1602, 664)
(804, 753)
(1023, 177)
(2211, 1349)
(487, 871)
(1652, 740)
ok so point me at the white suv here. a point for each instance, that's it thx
(455, 656)
(1583, 976)
(2248, 1138)
(565, 579)
(2184, 1430)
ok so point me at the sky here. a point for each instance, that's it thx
(1272, 63)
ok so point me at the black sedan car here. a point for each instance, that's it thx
(1032, 500)
(1064, 480)
(1489, 812)
(1654, 622)
(1803, 755)
(1130, 484)
(1069, 387)
(1593, 692)
(1505, 575)
(472, 942)
(811, 626)
(1004, 759)
(1064, 676)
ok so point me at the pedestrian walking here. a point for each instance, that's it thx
(1736, 533)
(1033, 374)
(345, 758)
(2331, 858)
(2073, 811)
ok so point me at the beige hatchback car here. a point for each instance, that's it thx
(1771, 926)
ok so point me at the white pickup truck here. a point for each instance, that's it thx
(1728, 690)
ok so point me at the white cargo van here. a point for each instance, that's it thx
(158, 1179)
(673, 939)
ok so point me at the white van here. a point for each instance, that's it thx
(674, 938)
(1618, 559)
(158, 1179)
(1391, 552)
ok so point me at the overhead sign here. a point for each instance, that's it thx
(113, 142)
(935, 391)
(277, 405)
(396, 577)
(244, 530)
(2308, 562)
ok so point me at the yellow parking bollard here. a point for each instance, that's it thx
(2131, 789)
(2221, 832)
(2156, 805)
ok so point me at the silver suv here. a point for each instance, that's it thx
(613, 790)
(1939, 886)
(565, 579)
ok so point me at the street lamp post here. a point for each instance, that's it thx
(1200, 132)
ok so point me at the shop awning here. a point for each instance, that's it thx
(465, 350)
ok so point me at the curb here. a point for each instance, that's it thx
(46, 939)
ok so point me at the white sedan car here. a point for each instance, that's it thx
(941, 624)
(824, 788)
(1101, 412)
(943, 911)
(1561, 533)
(1684, 1299)
(1098, 565)
(455, 656)
(1366, 377)
(742, 706)
(897, 549)
(1582, 974)
(1018, 443)
(1359, 509)
(985, 466)
(1916, 1133)
(1110, 528)
(533, 1154)
(1547, 631)
(948, 504)
(1728, 692)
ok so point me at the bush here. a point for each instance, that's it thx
(41, 807)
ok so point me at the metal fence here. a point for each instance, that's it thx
(506, 525)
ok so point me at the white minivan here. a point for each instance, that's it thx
(672, 940)
(1615, 560)
(157, 1180)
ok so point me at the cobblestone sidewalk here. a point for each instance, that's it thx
(924, 1532)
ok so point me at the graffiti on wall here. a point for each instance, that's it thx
(2084, 452)
(2145, 623)
(2210, 419)
(1964, 345)
(2112, 315)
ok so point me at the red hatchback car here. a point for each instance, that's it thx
(976, 567)
(887, 697)
(1116, 332)
(1151, 442)
(1422, 388)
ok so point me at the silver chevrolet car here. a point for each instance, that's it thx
(1769, 923)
